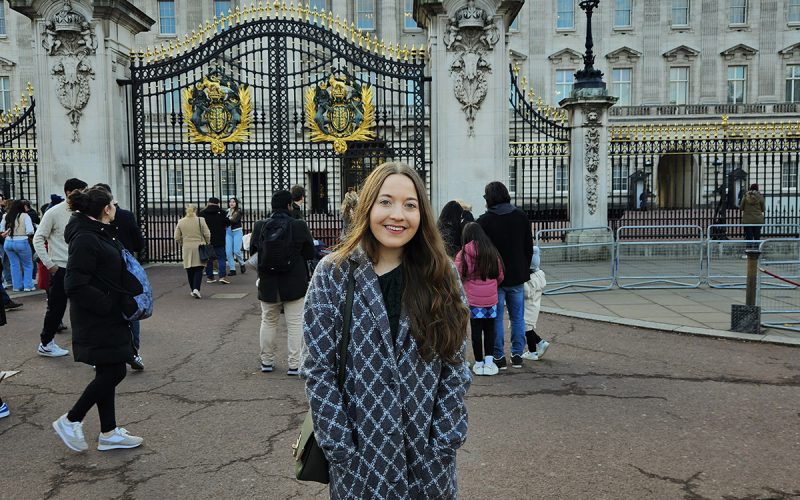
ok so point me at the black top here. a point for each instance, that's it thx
(392, 290)
(128, 232)
(510, 231)
(217, 221)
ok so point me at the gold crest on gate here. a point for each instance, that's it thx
(340, 110)
(218, 111)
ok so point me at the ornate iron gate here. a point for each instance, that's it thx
(263, 99)
(539, 157)
(697, 173)
(19, 158)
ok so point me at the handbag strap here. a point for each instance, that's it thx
(344, 340)
(200, 225)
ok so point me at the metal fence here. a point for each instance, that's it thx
(19, 158)
(779, 283)
(582, 261)
(679, 262)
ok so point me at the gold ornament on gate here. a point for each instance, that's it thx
(340, 110)
(218, 111)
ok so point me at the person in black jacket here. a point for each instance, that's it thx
(285, 290)
(100, 291)
(217, 221)
(510, 231)
(449, 224)
(298, 198)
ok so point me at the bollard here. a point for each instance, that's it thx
(747, 318)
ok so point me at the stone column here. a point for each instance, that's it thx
(470, 92)
(81, 49)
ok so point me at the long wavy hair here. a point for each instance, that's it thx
(432, 294)
(16, 209)
(487, 258)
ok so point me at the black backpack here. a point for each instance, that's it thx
(276, 251)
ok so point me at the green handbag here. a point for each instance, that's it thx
(310, 462)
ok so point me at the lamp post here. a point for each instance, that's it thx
(589, 80)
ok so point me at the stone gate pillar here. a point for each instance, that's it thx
(81, 49)
(470, 93)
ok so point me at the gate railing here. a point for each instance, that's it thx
(680, 262)
(594, 245)
(19, 156)
(778, 290)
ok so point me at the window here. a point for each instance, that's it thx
(794, 11)
(2, 18)
(564, 80)
(166, 17)
(680, 12)
(793, 83)
(172, 96)
(789, 175)
(619, 176)
(621, 85)
(738, 11)
(561, 178)
(365, 14)
(221, 8)
(175, 182)
(622, 13)
(679, 85)
(227, 181)
(5, 94)
(737, 84)
(408, 16)
(565, 18)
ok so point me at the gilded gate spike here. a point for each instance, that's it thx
(307, 13)
(194, 38)
(405, 52)
(283, 9)
(24, 101)
(383, 48)
(157, 54)
(352, 33)
(147, 56)
(237, 15)
(397, 50)
(524, 83)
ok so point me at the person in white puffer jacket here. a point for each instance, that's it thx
(533, 303)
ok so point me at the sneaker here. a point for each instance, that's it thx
(71, 433)
(231, 273)
(12, 305)
(541, 347)
(196, 294)
(241, 268)
(516, 361)
(4, 411)
(500, 363)
(28, 289)
(136, 362)
(293, 372)
(532, 356)
(52, 350)
(211, 280)
(224, 281)
(266, 368)
(490, 369)
(119, 439)
(478, 368)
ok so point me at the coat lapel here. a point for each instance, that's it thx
(367, 283)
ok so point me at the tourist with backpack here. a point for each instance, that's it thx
(283, 245)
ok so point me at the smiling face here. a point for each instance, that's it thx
(394, 218)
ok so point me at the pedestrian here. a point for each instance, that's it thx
(4, 411)
(233, 237)
(6, 274)
(752, 207)
(298, 199)
(449, 224)
(101, 336)
(16, 227)
(348, 209)
(8, 304)
(393, 428)
(52, 250)
(466, 216)
(284, 245)
(191, 232)
(510, 231)
(481, 271)
(534, 288)
(217, 223)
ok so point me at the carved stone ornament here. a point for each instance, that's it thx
(592, 159)
(471, 35)
(70, 37)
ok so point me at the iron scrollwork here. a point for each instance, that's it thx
(592, 160)
(340, 111)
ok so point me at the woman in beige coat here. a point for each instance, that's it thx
(190, 233)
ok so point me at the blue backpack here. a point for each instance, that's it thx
(145, 299)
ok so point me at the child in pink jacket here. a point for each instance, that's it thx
(481, 271)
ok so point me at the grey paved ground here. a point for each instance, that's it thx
(613, 412)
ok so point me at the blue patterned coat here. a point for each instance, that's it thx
(404, 418)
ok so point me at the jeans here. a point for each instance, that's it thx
(515, 297)
(100, 392)
(220, 251)
(233, 247)
(270, 314)
(20, 255)
(56, 305)
(753, 234)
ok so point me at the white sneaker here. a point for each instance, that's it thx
(120, 439)
(530, 355)
(52, 350)
(4, 412)
(541, 347)
(478, 368)
(490, 369)
(196, 294)
(71, 433)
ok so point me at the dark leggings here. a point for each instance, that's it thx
(100, 392)
(533, 338)
(482, 327)
(195, 277)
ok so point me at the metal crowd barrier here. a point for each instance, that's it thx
(725, 258)
(778, 291)
(648, 263)
(582, 262)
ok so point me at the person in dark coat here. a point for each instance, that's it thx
(100, 291)
(285, 290)
(450, 226)
(510, 231)
(217, 221)
(298, 198)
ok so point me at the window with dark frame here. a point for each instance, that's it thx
(166, 17)
(365, 15)
(738, 13)
(623, 13)
(737, 84)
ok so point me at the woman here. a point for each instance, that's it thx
(101, 336)
(233, 237)
(450, 226)
(16, 227)
(394, 430)
(190, 233)
(752, 207)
